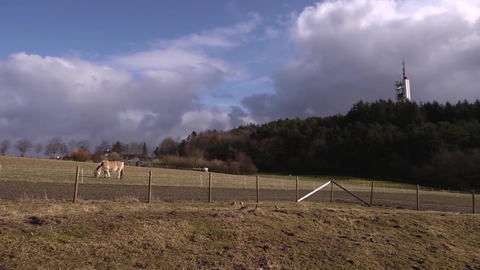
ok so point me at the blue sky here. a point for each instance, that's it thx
(96, 30)
(144, 70)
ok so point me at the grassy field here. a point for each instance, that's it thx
(48, 170)
(126, 233)
(134, 235)
(190, 184)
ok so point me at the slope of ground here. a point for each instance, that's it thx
(183, 235)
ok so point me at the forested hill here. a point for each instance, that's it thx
(431, 144)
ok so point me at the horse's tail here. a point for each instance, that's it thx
(121, 171)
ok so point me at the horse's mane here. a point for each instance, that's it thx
(99, 166)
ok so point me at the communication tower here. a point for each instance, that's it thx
(403, 87)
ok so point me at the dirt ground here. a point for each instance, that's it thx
(58, 191)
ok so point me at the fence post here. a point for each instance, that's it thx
(209, 187)
(258, 191)
(75, 192)
(296, 189)
(418, 197)
(473, 200)
(331, 191)
(150, 187)
(371, 195)
(0, 171)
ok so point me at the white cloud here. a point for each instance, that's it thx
(169, 59)
(222, 37)
(155, 63)
(347, 51)
(270, 33)
(142, 96)
(42, 97)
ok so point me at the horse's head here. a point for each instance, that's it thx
(96, 173)
(97, 170)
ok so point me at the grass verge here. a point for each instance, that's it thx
(181, 235)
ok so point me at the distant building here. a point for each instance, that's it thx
(403, 87)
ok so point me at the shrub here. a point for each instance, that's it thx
(81, 155)
(114, 156)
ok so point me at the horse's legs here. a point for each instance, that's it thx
(108, 174)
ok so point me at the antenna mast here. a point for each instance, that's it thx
(403, 86)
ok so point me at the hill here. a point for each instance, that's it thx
(430, 144)
(131, 235)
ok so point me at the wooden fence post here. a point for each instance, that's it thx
(473, 200)
(331, 191)
(258, 191)
(75, 192)
(296, 189)
(418, 197)
(150, 187)
(209, 187)
(371, 195)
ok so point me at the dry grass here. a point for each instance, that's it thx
(59, 171)
(130, 235)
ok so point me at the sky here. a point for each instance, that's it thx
(145, 70)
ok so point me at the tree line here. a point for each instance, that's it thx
(429, 143)
(76, 150)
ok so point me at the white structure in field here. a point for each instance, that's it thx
(403, 87)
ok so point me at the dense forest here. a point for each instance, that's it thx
(429, 143)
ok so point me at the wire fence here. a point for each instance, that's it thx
(57, 181)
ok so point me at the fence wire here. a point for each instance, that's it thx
(57, 182)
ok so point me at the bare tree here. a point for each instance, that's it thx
(84, 145)
(134, 148)
(99, 150)
(72, 146)
(64, 149)
(195, 150)
(38, 149)
(54, 146)
(4, 146)
(23, 145)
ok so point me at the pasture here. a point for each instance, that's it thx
(60, 171)
(54, 179)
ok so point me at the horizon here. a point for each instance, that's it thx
(141, 72)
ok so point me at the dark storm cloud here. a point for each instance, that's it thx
(235, 115)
